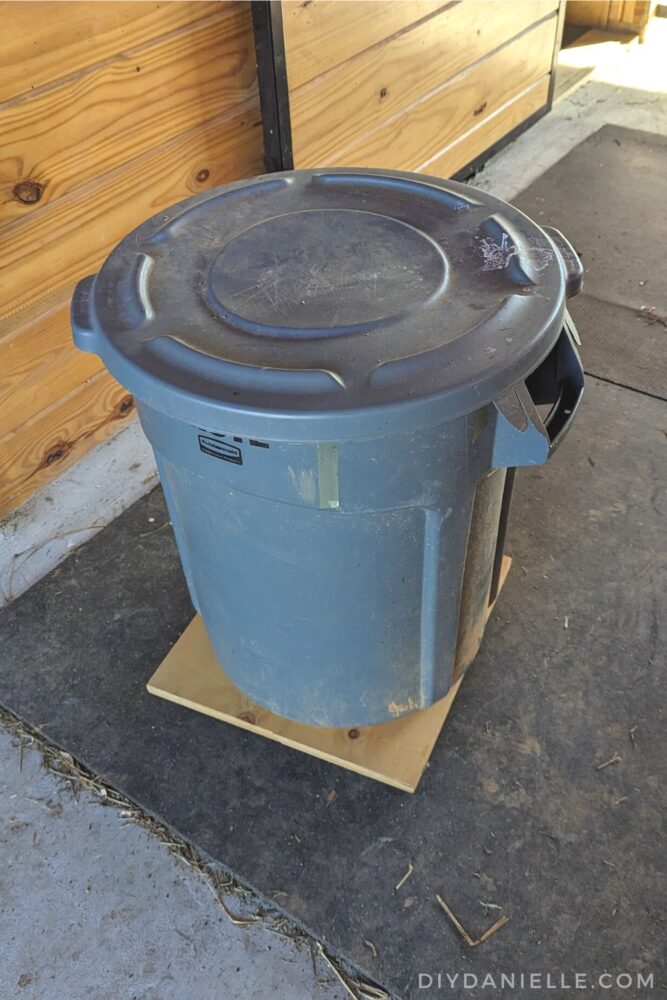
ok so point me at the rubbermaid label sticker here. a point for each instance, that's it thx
(220, 449)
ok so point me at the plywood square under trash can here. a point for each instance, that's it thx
(395, 753)
(339, 371)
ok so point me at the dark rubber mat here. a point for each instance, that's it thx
(622, 345)
(608, 196)
(521, 806)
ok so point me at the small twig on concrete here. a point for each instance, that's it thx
(616, 759)
(631, 735)
(500, 922)
(370, 992)
(154, 531)
(339, 975)
(237, 921)
(371, 947)
(358, 989)
(405, 878)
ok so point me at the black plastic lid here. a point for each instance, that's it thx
(322, 294)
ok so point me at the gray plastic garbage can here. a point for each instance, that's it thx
(335, 368)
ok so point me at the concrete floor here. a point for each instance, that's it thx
(92, 904)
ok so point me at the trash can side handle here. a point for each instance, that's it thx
(522, 435)
(82, 314)
(570, 380)
(574, 269)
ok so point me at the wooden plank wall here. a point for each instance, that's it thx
(628, 16)
(425, 85)
(109, 111)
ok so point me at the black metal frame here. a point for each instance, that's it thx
(267, 20)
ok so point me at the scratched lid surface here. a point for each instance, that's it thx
(312, 295)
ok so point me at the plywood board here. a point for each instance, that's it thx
(430, 125)
(334, 111)
(40, 363)
(43, 41)
(488, 132)
(66, 135)
(628, 16)
(594, 13)
(395, 753)
(59, 435)
(321, 35)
